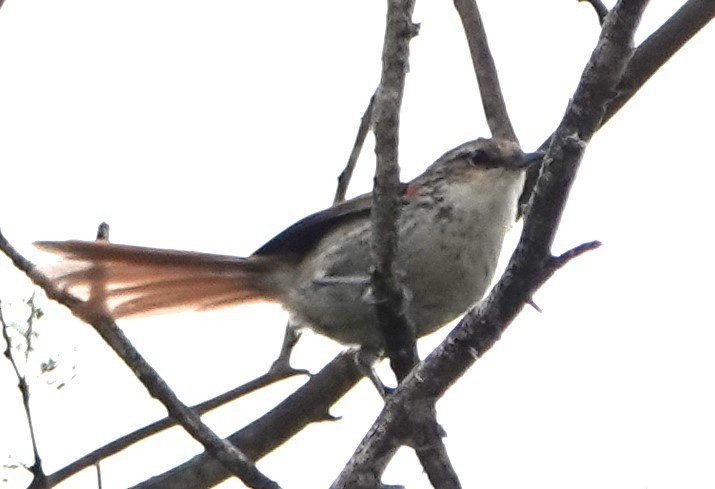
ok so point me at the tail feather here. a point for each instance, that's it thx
(133, 280)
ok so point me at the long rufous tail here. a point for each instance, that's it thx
(131, 280)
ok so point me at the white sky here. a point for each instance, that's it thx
(211, 126)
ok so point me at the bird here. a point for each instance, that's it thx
(451, 229)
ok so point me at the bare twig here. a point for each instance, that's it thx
(567, 256)
(125, 441)
(103, 232)
(308, 404)
(235, 461)
(39, 479)
(98, 471)
(230, 457)
(485, 69)
(347, 173)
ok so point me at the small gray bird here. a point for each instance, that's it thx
(451, 228)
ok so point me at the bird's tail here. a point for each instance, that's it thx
(132, 280)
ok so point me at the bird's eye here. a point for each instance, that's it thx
(479, 157)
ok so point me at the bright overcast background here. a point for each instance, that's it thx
(213, 125)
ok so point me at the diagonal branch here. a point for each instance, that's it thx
(136, 436)
(658, 48)
(308, 404)
(347, 173)
(648, 57)
(485, 69)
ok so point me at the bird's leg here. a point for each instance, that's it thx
(365, 359)
(282, 363)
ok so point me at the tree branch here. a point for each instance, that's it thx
(387, 291)
(658, 48)
(491, 94)
(308, 404)
(347, 173)
(126, 441)
(39, 478)
(397, 330)
(648, 57)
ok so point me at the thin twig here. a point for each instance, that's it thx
(115, 446)
(567, 256)
(309, 404)
(485, 70)
(98, 471)
(347, 173)
(38, 475)
(235, 461)
(230, 457)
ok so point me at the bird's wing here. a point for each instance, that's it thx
(302, 236)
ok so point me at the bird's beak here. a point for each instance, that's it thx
(529, 159)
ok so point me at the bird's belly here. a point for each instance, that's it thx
(443, 274)
(446, 276)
